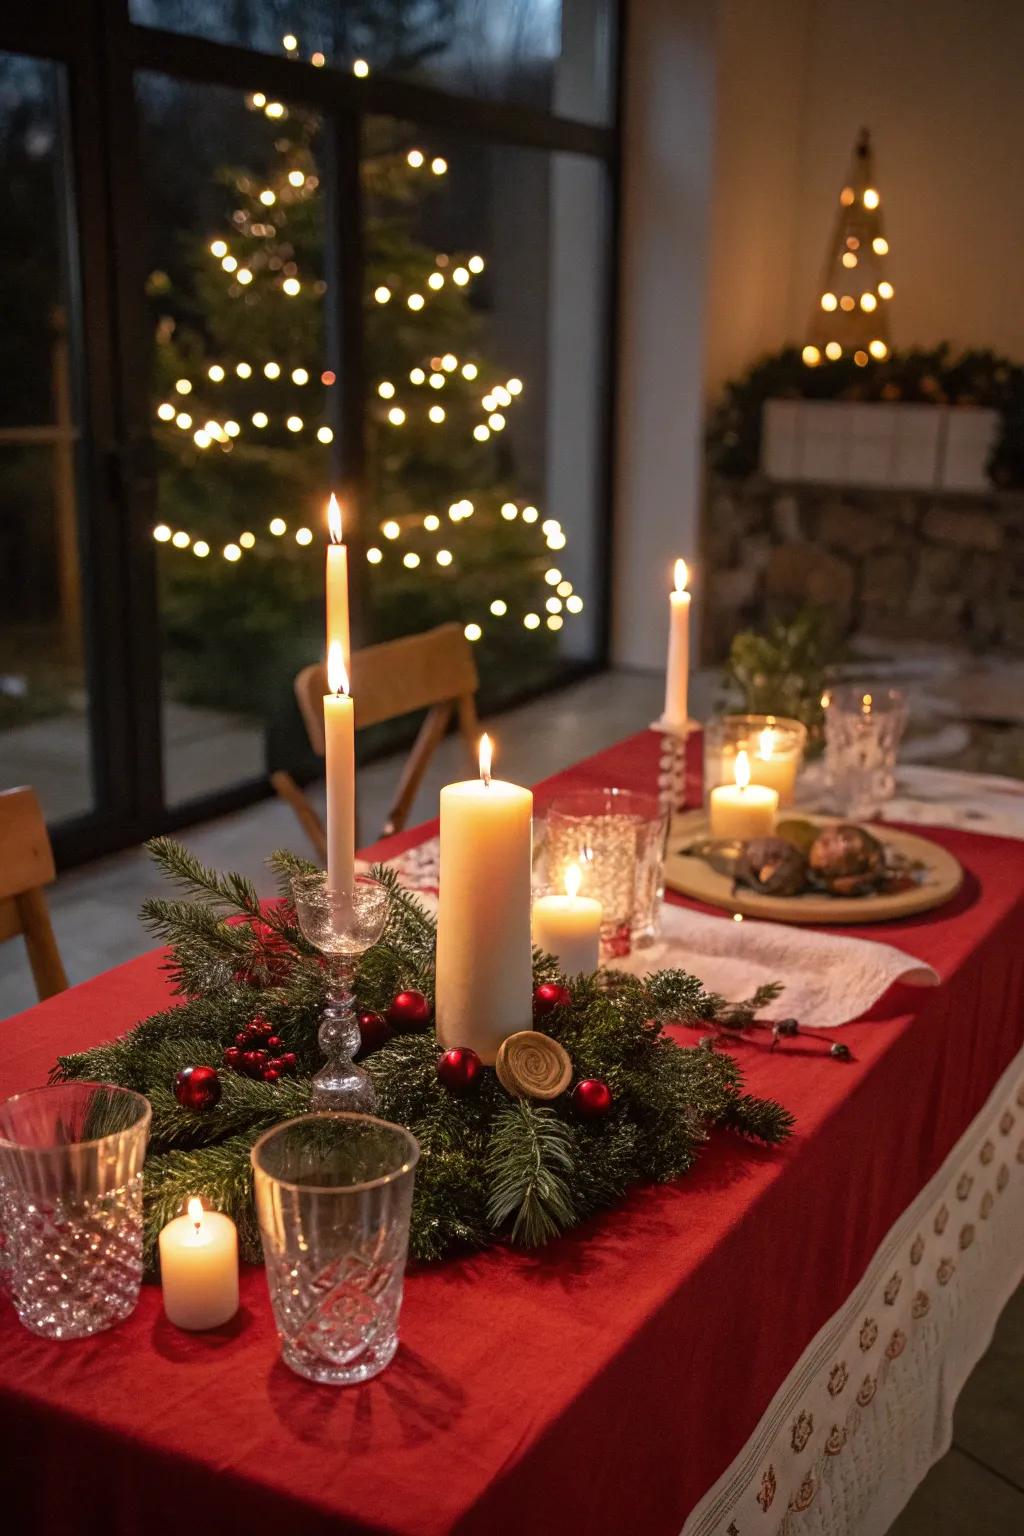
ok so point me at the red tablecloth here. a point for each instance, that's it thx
(599, 1386)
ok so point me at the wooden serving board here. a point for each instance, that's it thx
(940, 879)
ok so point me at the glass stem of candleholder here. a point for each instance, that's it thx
(341, 1084)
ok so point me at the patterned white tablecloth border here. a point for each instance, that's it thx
(868, 1407)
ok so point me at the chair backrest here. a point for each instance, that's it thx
(394, 678)
(26, 864)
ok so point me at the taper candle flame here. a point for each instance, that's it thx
(337, 677)
(742, 769)
(573, 881)
(682, 575)
(485, 758)
(195, 1212)
(334, 519)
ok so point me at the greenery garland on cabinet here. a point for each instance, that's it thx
(493, 1168)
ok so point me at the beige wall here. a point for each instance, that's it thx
(941, 85)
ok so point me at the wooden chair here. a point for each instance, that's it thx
(434, 671)
(26, 865)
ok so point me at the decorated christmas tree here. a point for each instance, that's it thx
(244, 418)
(850, 318)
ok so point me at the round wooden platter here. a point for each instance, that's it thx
(941, 876)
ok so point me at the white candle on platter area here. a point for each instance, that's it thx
(743, 810)
(774, 765)
(337, 586)
(340, 767)
(484, 973)
(199, 1268)
(677, 673)
(569, 926)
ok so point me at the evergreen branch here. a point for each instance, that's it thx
(530, 1164)
(763, 1119)
(221, 1173)
(287, 867)
(202, 883)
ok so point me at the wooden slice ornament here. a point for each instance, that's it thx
(533, 1066)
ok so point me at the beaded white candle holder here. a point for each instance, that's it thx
(672, 763)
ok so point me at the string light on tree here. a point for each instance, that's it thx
(850, 318)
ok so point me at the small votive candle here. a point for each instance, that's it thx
(743, 810)
(569, 926)
(199, 1268)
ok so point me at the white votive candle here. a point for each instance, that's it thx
(775, 765)
(199, 1268)
(569, 926)
(484, 973)
(743, 810)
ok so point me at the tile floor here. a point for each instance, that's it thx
(978, 1487)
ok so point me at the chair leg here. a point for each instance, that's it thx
(431, 734)
(310, 822)
(469, 725)
(40, 941)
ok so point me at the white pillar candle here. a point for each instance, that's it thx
(340, 766)
(743, 810)
(677, 674)
(484, 975)
(199, 1268)
(775, 766)
(569, 926)
(337, 587)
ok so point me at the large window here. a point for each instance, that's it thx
(324, 245)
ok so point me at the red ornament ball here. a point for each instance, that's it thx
(232, 1058)
(459, 1069)
(592, 1099)
(409, 1010)
(274, 1042)
(374, 1031)
(288, 1060)
(197, 1088)
(548, 996)
(253, 1062)
(270, 1074)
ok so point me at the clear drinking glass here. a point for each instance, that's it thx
(71, 1205)
(618, 837)
(333, 1195)
(342, 925)
(863, 727)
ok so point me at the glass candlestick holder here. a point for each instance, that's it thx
(342, 925)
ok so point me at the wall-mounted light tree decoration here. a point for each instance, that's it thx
(850, 317)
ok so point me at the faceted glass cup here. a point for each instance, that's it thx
(618, 839)
(863, 728)
(333, 1197)
(71, 1160)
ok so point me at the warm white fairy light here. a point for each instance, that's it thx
(555, 621)
(553, 576)
(300, 376)
(556, 541)
(439, 165)
(531, 621)
(449, 362)
(530, 514)
(390, 529)
(232, 552)
(183, 386)
(165, 411)
(501, 395)
(294, 423)
(885, 290)
(232, 428)
(444, 557)
(437, 381)
(318, 59)
(161, 533)
(469, 371)
(460, 277)
(481, 432)
(574, 604)
(811, 356)
(415, 301)
(415, 157)
(499, 607)
(509, 511)
(243, 370)
(829, 301)
(245, 277)
(272, 370)
(868, 302)
(247, 539)
(278, 526)
(396, 416)
(553, 605)
(878, 349)
(475, 264)
(274, 109)
(218, 248)
(215, 372)
(514, 386)
(564, 588)
(382, 294)
(431, 522)
(472, 632)
(258, 99)
(411, 560)
(435, 280)
(268, 197)
(849, 259)
(183, 420)
(296, 178)
(229, 263)
(386, 389)
(488, 402)
(201, 548)
(324, 435)
(833, 351)
(260, 418)
(551, 525)
(496, 421)
(880, 245)
(417, 376)
(201, 439)
(289, 42)
(436, 413)
(360, 68)
(291, 286)
(304, 536)
(871, 198)
(374, 555)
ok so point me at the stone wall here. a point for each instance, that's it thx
(913, 565)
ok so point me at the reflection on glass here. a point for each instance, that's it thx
(484, 327)
(241, 415)
(44, 731)
(554, 55)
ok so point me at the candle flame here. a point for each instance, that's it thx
(766, 743)
(337, 677)
(195, 1211)
(334, 519)
(682, 575)
(573, 881)
(742, 769)
(485, 758)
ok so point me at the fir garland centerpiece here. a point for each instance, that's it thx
(502, 1158)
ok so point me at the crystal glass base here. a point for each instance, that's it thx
(370, 1364)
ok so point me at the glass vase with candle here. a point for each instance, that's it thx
(863, 728)
(333, 1197)
(71, 1205)
(618, 838)
(774, 746)
(342, 925)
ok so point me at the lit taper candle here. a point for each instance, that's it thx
(484, 977)
(677, 673)
(337, 586)
(340, 766)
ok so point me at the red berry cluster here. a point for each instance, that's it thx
(258, 1052)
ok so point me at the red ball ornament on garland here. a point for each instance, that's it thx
(288, 1060)
(253, 1062)
(409, 1010)
(592, 1099)
(270, 1074)
(233, 1058)
(374, 1031)
(459, 1069)
(548, 996)
(197, 1088)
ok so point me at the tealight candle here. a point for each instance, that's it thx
(743, 810)
(199, 1268)
(774, 765)
(569, 926)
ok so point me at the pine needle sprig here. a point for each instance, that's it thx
(530, 1162)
